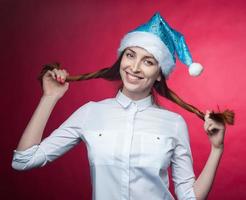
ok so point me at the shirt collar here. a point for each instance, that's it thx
(125, 101)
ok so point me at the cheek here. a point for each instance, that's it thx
(121, 73)
(124, 63)
(152, 74)
(122, 68)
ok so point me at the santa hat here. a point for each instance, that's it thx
(163, 42)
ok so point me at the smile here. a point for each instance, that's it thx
(133, 77)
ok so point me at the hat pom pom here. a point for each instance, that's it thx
(195, 69)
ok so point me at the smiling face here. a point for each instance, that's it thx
(139, 70)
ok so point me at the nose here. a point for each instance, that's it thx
(135, 66)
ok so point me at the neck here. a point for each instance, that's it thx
(134, 95)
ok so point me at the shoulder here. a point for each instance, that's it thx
(107, 101)
(91, 108)
(167, 114)
(98, 105)
(102, 103)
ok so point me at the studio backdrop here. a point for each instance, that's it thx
(84, 36)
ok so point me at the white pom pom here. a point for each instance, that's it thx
(195, 69)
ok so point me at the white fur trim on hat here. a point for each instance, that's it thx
(153, 44)
(195, 69)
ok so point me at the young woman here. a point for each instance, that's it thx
(131, 141)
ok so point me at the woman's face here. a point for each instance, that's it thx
(139, 70)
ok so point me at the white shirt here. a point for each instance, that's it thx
(130, 145)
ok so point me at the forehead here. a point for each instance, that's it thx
(140, 50)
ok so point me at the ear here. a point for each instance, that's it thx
(159, 77)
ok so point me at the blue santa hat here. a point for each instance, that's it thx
(163, 42)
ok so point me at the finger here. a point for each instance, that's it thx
(66, 74)
(55, 72)
(207, 115)
(59, 75)
(208, 121)
(207, 126)
(211, 121)
(65, 71)
(208, 129)
(214, 128)
(211, 127)
(51, 73)
(63, 75)
(218, 126)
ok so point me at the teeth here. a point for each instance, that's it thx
(133, 77)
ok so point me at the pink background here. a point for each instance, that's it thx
(84, 37)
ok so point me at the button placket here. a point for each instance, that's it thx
(130, 129)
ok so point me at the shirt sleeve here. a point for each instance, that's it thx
(182, 164)
(62, 139)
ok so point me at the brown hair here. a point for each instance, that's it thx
(113, 73)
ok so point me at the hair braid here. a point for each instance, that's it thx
(112, 73)
(108, 73)
(162, 89)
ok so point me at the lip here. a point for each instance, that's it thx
(132, 78)
(134, 75)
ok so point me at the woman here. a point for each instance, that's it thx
(131, 141)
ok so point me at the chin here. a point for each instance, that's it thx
(132, 88)
(135, 89)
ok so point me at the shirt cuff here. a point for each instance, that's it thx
(29, 158)
(189, 195)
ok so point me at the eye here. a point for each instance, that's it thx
(149, 62)
(130, 55)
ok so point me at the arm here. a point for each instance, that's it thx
(33, 132)
(204, 182)
(53, 89)
(182, 163)
(62, 139)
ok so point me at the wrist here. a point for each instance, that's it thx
(218, 149)
(50, 98)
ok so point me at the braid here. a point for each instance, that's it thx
(162, 89)
(108, 73)
(113, 73)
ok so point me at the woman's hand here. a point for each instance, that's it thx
(54, 83)
(216, 138)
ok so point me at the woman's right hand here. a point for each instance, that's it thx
(54, 83)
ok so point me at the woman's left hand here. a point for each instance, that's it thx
(217, 138)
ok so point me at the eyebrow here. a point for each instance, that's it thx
(144, 56)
